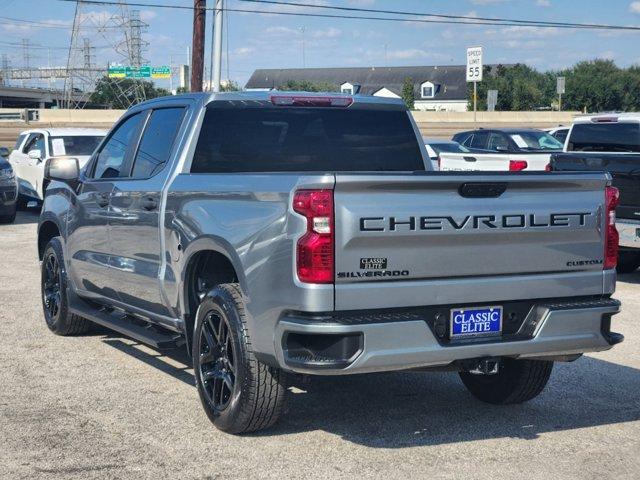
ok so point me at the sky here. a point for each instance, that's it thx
(270, 40)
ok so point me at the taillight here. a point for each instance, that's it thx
(547, 167)
(611, 238)
(310, 101)
(315, 249)
(517, 165)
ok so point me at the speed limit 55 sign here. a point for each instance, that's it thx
(474, 64)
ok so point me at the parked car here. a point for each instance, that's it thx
(34, 147)
(559, 133)
(507, 149)
(320, 247)
(611, 143)
(8, 192)
(435, 146)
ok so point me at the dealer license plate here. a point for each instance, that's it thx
(476, 321)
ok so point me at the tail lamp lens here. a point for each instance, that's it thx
(517, 165)
(612, 197)
(315, 249)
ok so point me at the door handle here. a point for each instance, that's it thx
(149, 203)
(470, 159)
(103, 199)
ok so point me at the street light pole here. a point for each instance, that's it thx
(217, 44)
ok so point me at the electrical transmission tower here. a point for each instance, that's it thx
(121, 31)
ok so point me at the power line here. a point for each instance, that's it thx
(421, 14)
(442, 19)
(505, 23)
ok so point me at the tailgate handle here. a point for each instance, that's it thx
(482, 190)
(470, 159)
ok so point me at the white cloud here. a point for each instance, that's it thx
(523, 31)
(243, 51)
(634, 7)
(330, 32)
(147, 15)
(543, 3)
(410, 54)
(280, 31)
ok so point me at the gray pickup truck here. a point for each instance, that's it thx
(274, 234)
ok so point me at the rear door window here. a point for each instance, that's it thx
(157, 141)
(498, 142)
(479, 140)
(605, 137)
(295, 139)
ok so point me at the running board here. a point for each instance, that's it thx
(121, 323)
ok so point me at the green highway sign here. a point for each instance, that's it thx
(145, 71)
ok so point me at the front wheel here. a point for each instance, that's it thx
(55, 302)
(239, 394)
(517, 381)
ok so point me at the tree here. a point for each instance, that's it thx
(408, 95)
(596, 86)
(120, 93)
(308, 86)
(229, 86)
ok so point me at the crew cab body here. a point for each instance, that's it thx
(611, 143)
(34, 147)
(502, 150)
(350, 254)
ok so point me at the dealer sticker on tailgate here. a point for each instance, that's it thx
(468, 322)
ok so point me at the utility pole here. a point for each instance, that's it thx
(197, 61)
(217, 44)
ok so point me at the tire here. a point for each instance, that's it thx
(628, 261)
(517, 381)
(8, 218)
(238, 393)
(53, 286)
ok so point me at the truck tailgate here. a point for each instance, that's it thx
(426, 236)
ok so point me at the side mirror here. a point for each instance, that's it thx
(35, 154)
(62, 169)
(4, 152)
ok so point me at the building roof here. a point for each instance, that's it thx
(450, 78)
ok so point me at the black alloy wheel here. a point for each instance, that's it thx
(217, 366)
(51, 290)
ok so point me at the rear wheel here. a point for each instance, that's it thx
(10, 218)
(239, 394)
(54, 293)
(517, 381)
(628, 261)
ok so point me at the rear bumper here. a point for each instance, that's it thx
(404, 341)
(628, 231)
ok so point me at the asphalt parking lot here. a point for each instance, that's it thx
(102, 406)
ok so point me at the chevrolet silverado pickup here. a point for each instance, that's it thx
(611, 143)
(275, 234)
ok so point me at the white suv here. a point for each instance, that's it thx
(34, 147)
